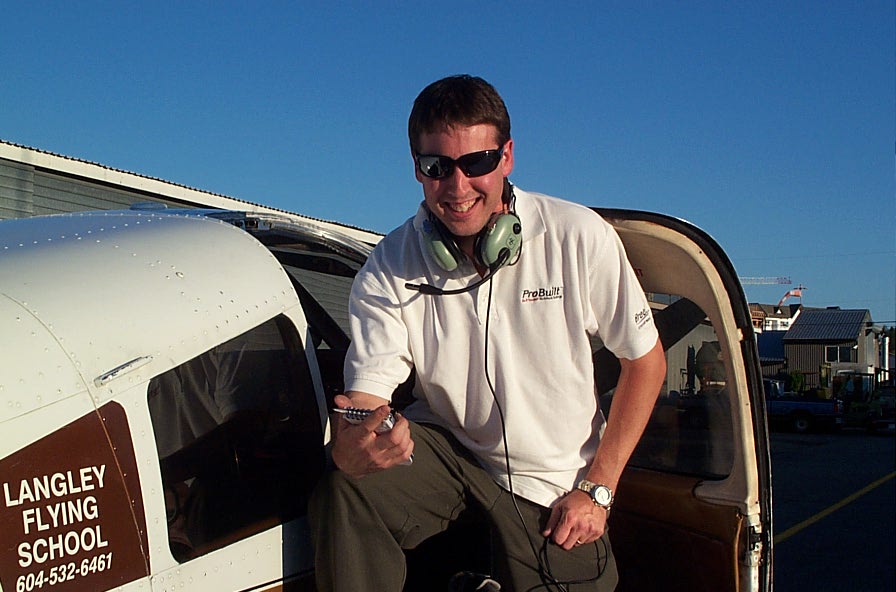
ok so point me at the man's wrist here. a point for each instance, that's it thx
(599, 493)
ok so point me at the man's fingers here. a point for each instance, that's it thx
(553, 519)
(375, 419)
(342, 401)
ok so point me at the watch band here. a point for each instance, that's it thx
(600, 494)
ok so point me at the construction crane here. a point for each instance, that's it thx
(758, 281)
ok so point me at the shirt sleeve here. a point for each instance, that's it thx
(378, 359)
(625, 321)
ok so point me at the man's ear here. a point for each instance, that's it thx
(507, 159)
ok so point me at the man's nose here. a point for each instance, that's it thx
(457, 180)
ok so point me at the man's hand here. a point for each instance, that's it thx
(358, 450)
(576, 520)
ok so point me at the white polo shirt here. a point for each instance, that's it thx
(571, 280)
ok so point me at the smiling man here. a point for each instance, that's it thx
(490, 294)
(464, 203)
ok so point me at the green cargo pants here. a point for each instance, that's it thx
(360, 527)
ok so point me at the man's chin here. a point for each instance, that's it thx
(464, 225)
(462, 231)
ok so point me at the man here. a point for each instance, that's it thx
(505, 417)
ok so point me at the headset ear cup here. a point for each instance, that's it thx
(502, 235)
(441, 246)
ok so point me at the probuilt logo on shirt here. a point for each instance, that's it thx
(642, 317)
(537, 294)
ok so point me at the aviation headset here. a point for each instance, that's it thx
(496, 244)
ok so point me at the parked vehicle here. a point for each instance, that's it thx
(865, 405)
(886, 398)
(166, 379)
(800, 412)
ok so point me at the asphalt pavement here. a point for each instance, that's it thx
(834, 511)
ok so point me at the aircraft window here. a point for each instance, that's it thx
(323, 281)
(239, 439)
(690, 430)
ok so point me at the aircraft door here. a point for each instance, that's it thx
(240, 445)
(693, 509)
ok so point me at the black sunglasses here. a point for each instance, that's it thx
(474, 164)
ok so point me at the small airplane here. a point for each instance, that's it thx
(166, 381)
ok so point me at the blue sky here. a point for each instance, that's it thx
(768, 124)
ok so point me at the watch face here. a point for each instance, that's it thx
(602, 495)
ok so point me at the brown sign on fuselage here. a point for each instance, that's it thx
(70, 509)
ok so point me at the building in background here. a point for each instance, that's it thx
(769, 317)
(34, 183)
(822, 344)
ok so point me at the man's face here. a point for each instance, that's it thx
(465, 204)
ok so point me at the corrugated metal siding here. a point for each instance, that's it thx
(806, 358)
(113, 186)
(16, 190)
(26, 192)
(772, 369)
(330, 291)
(55, 194)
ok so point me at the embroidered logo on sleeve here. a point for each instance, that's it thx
(642, 317)
(538, 294)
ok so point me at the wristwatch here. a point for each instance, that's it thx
(601, 495)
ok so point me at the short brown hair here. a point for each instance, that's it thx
(458, 100)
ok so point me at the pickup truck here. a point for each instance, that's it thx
(800, 413)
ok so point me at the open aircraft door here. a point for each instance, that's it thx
(693, 509)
